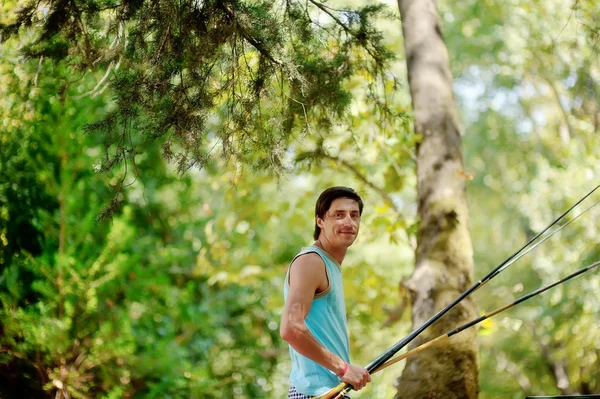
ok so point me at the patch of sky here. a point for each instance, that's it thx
(470, 89)
(476, 94)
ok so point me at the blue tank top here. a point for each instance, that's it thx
(326, 320)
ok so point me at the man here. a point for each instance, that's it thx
(314, 317)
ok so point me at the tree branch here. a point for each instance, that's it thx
(565, 114)
(322, 154)
(325, 9)
(557, 368)
(246, 35)
(364, 179)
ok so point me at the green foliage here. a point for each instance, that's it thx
(251, 75)
(531, 117)
(180, 295)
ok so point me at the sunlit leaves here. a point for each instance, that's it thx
(522, 78)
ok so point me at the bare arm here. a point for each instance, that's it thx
(307, 275)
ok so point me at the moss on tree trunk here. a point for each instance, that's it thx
(444, 255)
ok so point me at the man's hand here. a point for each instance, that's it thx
(356, 376)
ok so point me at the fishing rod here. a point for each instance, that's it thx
(482, 318)
(546, 238)
(455, 331)
(389, 353)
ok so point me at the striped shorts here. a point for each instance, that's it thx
(293, 394)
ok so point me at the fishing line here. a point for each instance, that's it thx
(389, 353)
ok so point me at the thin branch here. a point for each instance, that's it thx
(386, 197)
(567, 23)
(136, 172)
(557, 368)
(562, 109)
(99, 89)
(35, 79)
(334, 9)
(325, 9)
(110, 66)
(364, 179)
(246, 35)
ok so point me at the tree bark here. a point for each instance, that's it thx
(444, 254)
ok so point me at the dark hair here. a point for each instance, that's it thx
(327, 197)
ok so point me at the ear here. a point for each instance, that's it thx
(319, 221)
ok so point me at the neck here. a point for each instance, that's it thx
(338, 253)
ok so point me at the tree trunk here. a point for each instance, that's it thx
(444, 255)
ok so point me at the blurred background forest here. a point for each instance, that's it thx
(179, 294)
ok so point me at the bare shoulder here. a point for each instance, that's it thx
(308, 261)
(307, 269)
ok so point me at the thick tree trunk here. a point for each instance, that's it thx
(444, 255)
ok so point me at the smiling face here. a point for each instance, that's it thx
(339, 226)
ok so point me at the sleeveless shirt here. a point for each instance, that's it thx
(326, 320)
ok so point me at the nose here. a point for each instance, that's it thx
(349, 221)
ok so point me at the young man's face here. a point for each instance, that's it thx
(340, 224)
